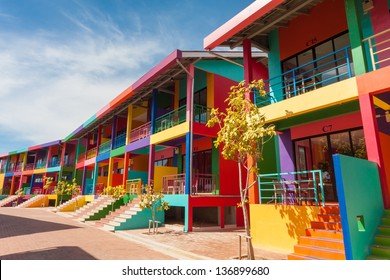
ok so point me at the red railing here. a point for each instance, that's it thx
(139, 132)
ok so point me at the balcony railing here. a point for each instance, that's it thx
(19, 167)
(379, 45)
(11, 167)
(201, 184)
(139, 132)
(2, 169)
(120, 140)
(171, 119)
(54, 162)
(326, 70)
(29, 166)
(40, 164)
(92, 153)
(295, 188)
(104, 148)
(201, 114)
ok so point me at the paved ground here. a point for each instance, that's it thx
(41, 234)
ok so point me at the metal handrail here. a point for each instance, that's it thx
(202, 114)
(301, 80)
(120, 140)
(92, 153)
(302, 185)
(41, 164)
(378, 48)
(105, 147)
(201, 184)
(171, 119)
(140, 132)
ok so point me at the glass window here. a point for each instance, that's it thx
(359, 144)
(340, 143)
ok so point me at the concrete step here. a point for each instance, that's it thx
(329, 218)
(386, 221)
(318, 252)
(384, 230)
(332, 234)
(326, 225)
(301, 257)
(330, 210)
(381, 251)
(328, 243)
(383, 240)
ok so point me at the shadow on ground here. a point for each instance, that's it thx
(59, 253)
(13, 226)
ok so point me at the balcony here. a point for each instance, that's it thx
(104, 148)
(171, 119)
(40, 164)
(120, 140)
(2, 169)
(139, 132)
(11, 167)
(201, 184)
(293, 188)
(201, 114)
(379, 45)
(92, 153)
(19, 167)
(29, 166)
(326, 70)
(54, 162)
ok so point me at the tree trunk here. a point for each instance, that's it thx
(250, 252)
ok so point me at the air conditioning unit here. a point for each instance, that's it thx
(367, 6)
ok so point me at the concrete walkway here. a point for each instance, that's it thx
(41, 234)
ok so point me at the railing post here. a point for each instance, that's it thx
(348, 63)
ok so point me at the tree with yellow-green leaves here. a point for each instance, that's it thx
(115, 193)
(65, 188)
(242, 136)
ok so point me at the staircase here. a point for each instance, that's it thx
(380, 250)
(92, 208)
(8, 202)
(324, 240)
(115, 219)
(35, 201)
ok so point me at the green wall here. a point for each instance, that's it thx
(222, 68)
(200, 80)
(134, 174)
(360, 196)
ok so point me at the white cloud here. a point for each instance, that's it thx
(50, 85)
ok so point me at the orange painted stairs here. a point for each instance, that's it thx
(323, 240)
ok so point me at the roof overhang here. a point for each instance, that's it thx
(256, 22)
(160, 77)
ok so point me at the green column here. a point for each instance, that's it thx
(215, 163)
(274, 67)
(355, 36)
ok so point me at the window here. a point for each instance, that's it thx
(164, 162)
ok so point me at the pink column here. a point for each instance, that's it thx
(373, 144)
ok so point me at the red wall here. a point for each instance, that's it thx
(324, 21)
(385, 146)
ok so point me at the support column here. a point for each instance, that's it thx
(153, 111)
(222, 216)
(190, 119)
(110, 171)
(12, 190)
(95, 177)
(113, 132)
(125, 168)
(129, 123)
(188, 164)
(373, 145)
(84, 178)
(62, 161)
(188, 218)
(248, 76)
(152, 151)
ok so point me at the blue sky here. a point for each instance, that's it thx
(63, 60)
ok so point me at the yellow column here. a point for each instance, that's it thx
(210, 90)
(129, 123)
(110, 168)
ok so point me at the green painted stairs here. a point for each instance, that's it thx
(380, 250)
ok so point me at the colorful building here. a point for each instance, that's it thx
(324, 183)
(328, 96)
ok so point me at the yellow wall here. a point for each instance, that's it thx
(39, 171)
(72, 205)
(159, 172)
(210, 90)
(171, 133)
(277, 227)
(334, 94)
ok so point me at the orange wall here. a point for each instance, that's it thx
(324, 21)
